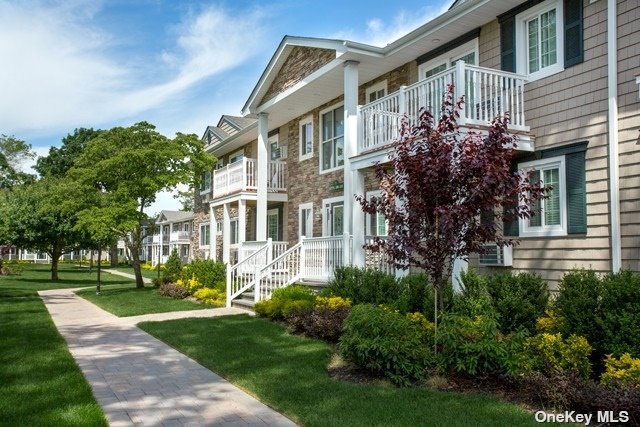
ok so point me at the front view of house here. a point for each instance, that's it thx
(279, 206)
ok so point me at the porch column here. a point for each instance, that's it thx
(242, 225)
(161, 247)
(350, 138)
(226, 233)
(358, 221)
(262, 176)
(213, 235)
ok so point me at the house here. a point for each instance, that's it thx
(324, 111)
(174, 230)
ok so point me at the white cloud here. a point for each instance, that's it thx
(379, 32)
(60, 71)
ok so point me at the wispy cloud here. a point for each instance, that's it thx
(380, 32)
(61, 71)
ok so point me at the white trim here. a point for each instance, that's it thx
(613, 148)
(638, 83)
(375, 88)
(320, 141)
(200, 227)
(546, 231)
(329, 201)
(301, 142)
(240, 152)
(522, 62)
(448, 57)
(369, 217)
(302, 207)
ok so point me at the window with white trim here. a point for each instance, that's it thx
(467, 52)
(306, 138)
(233, 227)
(218, 227)
(237, 156)
(376, 223)
(205, 234)
(305, 217)
(332, 139)
(376, 91)
(540, 40)
(550, 217)
(205, 182)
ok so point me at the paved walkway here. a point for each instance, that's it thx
(127, 275)
(139, 380)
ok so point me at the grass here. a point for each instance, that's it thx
(289, 373)
(126, 269)
(124, 301)
(40, 382)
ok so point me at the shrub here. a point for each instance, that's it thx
(518, 299)
(550, 322)
(386, 343)
(474, 299)
(548, 353)
(620, 313)
(284, 300)
(475, 346)
(417, 295)
(210, 273)
(210, 296)
(173, 290)
(364, 286)
(333, 302)
(321, 322)
(625, 369)
(173, 267)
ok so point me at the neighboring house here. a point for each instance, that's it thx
(326, 110)
(174, 230)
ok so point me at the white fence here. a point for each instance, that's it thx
(243, 176)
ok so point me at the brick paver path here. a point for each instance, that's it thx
(139, 380)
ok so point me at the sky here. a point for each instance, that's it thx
(177, 64)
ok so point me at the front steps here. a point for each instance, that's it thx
(246, 300)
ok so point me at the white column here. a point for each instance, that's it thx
(213, 235)
(358, 221)
(262, 176)
(226, 233)
(350, 137)
(160, 247)
(242, 225)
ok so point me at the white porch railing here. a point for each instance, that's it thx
(378, 260)
(487, 93)
(322, 255)
(282, 271)
(242, 176)
(180, 236)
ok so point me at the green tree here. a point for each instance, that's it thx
(13, 152)
(36, 216)
(126, 167)
(60, 160)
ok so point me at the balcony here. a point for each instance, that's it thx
(243, 176)
(487, 93)
(180, 237)
(156, 238)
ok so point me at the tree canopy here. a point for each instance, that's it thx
(13, 152)
(60, 160)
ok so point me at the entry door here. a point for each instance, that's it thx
(334, 218)
(273, 224)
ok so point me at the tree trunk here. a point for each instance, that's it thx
(113, 254)
(55, 255)
(135, 258)
(99, 268)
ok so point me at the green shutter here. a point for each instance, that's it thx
(576, 193)
(573, 33)
(508, 44)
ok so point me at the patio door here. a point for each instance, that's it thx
(333, 213)
(273, 226)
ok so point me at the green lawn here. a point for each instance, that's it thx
(126, 300)
(40, 383)
(145, 273)
(289, 373)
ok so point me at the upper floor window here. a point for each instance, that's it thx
(539, 40)
(376, 91)
(205, 234)
(234, 157)
(467, 52)
(205, 182)
(306, 138)
(550, 217)
(332, 137)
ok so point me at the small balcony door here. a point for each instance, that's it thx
(333, 217)
(273, 226)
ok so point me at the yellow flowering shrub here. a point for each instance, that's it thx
(626, 369)
(193, 284)
(333, 303)
(210, 296)
(549, 351)
(421, 320)
(551, 322)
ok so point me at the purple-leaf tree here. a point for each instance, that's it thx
(437, 185)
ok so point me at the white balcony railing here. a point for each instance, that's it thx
(487, 93)
(243, 176)
(180, 236)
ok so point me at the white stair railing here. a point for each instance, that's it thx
(282, 271)
(242, 276)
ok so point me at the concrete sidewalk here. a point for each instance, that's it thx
(139, 380)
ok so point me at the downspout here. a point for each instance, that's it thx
(614, 186)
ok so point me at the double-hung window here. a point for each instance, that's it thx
(332, 137)
(376, 223)
(205, 234)
(205, 182)
(550, 218)
(306, 138)
(305, 214)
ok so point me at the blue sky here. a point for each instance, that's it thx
(176, 64)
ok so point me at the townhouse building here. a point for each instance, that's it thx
(280, 206)
(172, 230)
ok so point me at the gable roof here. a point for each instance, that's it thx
(217, 135)
(174, 216)
(237, 122)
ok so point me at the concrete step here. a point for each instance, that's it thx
(245, 303)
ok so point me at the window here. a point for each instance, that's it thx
(234, 157)
(550, 217)
(332, 136)
(306, 138)
(218, 227)
(205, 234)
(539, 40)
(376, 91)
(272, 224)
(305, 215)
(467, 52)
(233, 225)
(376, 223)
(205, 182)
